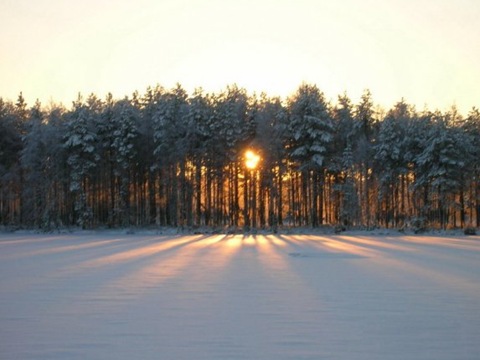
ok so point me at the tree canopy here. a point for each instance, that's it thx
(169, 158)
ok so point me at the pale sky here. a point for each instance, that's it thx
(427, 51)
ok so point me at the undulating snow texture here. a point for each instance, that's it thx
(144, 296)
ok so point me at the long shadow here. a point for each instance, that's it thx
(316, 246)
(387, 245)
(287, 239)
(444, 243)
(225, 237)
(82, 245)
(8, 239)
(76, 246)
(143, 253)
(337, 244)
(410, 245)
(173, 272)
(137, 272)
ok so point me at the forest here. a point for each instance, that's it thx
(232, 160)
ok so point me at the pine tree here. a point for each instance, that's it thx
(80, 141)
(364, 136)
(232, 129)
(311, 128)
(124, 151)
(149, 210)
(471, 127)
(10, 172)
(271, 121)
(342, 165)
(199, 139)
(170, 151)
(441, 166)
(32, 157)
(42, 165)
(391, 162)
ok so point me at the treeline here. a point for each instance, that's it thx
(167, 158)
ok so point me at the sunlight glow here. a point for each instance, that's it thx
(251, 159)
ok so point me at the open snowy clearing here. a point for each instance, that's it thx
(111, 296)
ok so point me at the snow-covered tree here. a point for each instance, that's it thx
(10, 174)
(271, 134)
(364, 137)
(342, 164)
(124, 152)
(169, 133)
(199, 136)
(80, 141)
(441, 165)
(32, 159)
(392, 165)
(232, 129)
(170, 127)
(147, 165)
(232, 122)
(311, 130)
(10, 137)
(471, 127)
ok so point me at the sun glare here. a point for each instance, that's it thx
(251, 159)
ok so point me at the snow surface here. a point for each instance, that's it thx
(141, 296)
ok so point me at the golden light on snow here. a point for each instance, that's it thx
(251, 159)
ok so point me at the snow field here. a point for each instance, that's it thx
(116, 296)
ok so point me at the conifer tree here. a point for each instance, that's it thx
(80, 141)
(311, 133)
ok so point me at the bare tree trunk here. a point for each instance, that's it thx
(198, 192)
(246, 195)
(314, 206)
(279, 196)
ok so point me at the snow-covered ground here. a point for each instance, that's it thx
(349, 296)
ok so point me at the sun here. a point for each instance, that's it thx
(251, 159)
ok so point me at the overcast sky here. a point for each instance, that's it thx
(427, 51)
